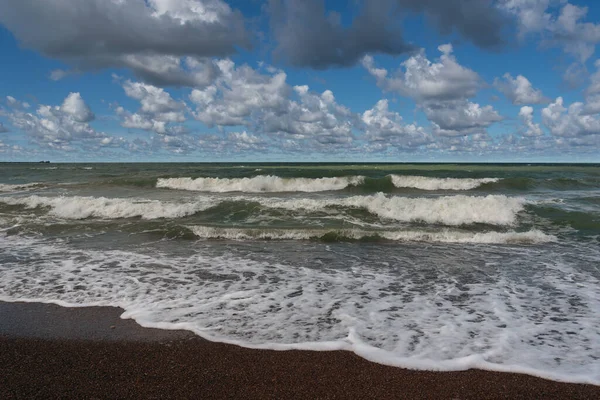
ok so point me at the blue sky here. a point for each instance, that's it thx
(300, 80)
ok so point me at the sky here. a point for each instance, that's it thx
(300, 80)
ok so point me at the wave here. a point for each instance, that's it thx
(447, 210)
(5, 187)
(270, 183)
(258, 184)
(443, 236)
(78, 207)
(426, 183)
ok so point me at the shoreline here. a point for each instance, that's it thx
(48, 351)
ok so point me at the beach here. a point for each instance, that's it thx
(47, 351)
(376, 270)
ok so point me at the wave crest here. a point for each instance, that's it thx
(258, 184)
(426, 183)
(6, 187)
(446, 210)
(78, 207)
(272, 183)
(443, 236)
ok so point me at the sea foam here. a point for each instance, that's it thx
(5, 187)
(257, 184)
(79, 207)
(426, 183)
(401, 314)
(443, 236)
(447, 210)
(274, 184)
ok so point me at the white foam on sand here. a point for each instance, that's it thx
(399, 315)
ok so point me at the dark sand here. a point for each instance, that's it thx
(51, 352)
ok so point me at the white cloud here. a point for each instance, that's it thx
(569, 122)
(238, 93)
(594, 87)
(317, 118)
(592, 105)
(266, 104)
(424, 80)
(76, 108)
(387, 128)
(519, 90)
(531, 128)
(460, 117)
(56, 127)
(157, 110)
(441, 89)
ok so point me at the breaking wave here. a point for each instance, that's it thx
(443, 236)
(271, 184)
(78, 207)
(426, 183)
(446, 210)
(5, 187)
(262, 183)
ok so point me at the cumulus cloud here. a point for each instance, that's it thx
(265, 103)
(57, 127)
(386, 127)
(461, 117)
(157, 110)
(316, 117)
(151, 37)
(238, 93)
(569, 122)
(531, 128)
(594, 86)
(519, 90)
(77, 108)
(441, 89)
(423, 80)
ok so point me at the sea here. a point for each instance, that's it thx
(424, 266)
